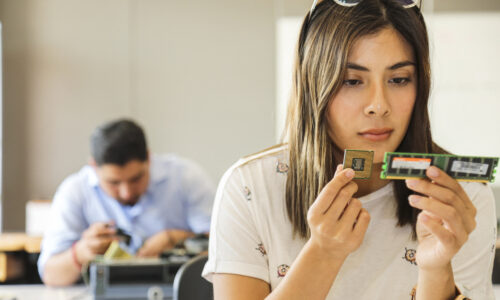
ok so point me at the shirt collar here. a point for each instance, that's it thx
(92, 176)
(157, 171)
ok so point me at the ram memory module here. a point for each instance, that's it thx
(398, 165)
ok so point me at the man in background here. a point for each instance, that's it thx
(156, 200)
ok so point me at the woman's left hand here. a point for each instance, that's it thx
(446, 220)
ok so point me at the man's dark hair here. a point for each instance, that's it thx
(118, 142)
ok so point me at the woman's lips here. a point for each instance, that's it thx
(376, 135)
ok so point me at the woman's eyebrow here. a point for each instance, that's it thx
(357, 67)
(401, 64)
(393, 67)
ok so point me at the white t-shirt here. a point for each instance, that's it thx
(251, 235)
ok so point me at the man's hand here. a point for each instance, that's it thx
(95, 240)
(162, 241)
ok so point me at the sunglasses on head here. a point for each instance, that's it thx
(404, 3)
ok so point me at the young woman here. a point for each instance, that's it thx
(289, 224)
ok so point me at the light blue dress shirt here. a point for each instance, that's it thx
(179, 196)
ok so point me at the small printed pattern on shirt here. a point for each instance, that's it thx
(248, 193)
(282, 270)
(282, 167)
(410, 256)
(261, 249)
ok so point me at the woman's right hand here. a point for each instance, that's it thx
(338, 221)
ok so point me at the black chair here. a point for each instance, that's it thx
(188, 283)
(496, 268)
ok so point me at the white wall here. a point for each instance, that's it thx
(199, 75)
(1, 104)
(287, 32)
(465, 102)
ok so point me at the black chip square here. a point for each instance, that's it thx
(358, 164)
(360, 161)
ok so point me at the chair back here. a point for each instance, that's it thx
(188, 283)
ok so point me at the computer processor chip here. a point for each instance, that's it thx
(360, 161)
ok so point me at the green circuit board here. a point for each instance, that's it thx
(399, 165)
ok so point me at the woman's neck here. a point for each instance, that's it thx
(367, 186)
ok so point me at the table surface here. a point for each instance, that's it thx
(19, 242)
(41, 292)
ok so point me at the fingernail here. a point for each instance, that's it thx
(414, 199)
(349, 173)
(338, 169)
(411, 183)
(424, 217)
(432, 172)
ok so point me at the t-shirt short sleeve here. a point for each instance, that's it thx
(235, 246)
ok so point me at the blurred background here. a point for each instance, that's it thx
(208, 80)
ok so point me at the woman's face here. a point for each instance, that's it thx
(373, 107)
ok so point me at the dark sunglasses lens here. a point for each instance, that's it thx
(404, 3)
(347, 2)
(408, 3)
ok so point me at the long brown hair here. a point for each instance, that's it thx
(326, 37)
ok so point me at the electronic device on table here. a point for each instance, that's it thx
(133, 278)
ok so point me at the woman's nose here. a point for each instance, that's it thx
(378, 104)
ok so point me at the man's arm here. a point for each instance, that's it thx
(61, 269)
(66, 225)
